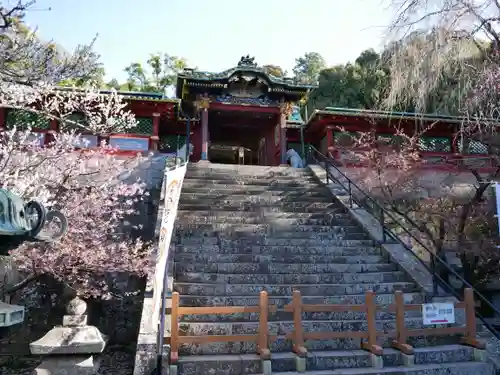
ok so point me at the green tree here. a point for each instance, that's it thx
(159, 74)
(113, 84)
(27, 59)
(308, 67)
(361, 84)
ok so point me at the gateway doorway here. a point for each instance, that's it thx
(241, 137)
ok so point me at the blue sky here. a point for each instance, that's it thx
(214, 34)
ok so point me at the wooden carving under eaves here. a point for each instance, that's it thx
(286, 108)
(203, 102)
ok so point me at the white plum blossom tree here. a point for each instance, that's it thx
(83, 184)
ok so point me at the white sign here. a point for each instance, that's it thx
(129, 143)
(438, 313)
(173, 180)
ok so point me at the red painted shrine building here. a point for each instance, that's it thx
(245, 115)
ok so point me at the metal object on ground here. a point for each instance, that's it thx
(30, 220)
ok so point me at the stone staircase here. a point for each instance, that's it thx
(244, 229)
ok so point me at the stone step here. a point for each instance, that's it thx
(230, 205)
(238, 234)
(274, 230)
(251, 170)
(248, 177)
(275, 250)
(273, 259)
(282, 315)
(193, 219)
(270, 241)
(283, 345)
(263, 196)
(264, 213)
(323, 360)
(255, 199)
(266, 217)
(289, 185)
(285, 290)
(279, 227)
(453, 368)
(382, 299)
(332, 360)
(282, 268)
(255, 190)
(313, 278)
(283, 328)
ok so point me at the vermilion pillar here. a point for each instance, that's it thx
(204, 134)
(329, 141)
(155, 138)
(283, 136)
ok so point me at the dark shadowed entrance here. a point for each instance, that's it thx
(241, 137)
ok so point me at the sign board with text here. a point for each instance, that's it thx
(438, 313)
(129, 143)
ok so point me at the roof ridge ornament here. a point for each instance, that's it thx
(247, 61)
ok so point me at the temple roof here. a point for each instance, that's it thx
(131, 95)
(247, 65)
(147, 96)
(368, 113)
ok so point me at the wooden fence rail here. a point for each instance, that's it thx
(402, 333)
(261, 337)
(298, 336)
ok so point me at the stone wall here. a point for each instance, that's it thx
(119, 318)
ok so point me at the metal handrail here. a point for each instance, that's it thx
(384, 215)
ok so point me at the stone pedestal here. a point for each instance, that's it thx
(85, 365)
(70, 347)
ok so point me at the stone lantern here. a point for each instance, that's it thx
(10, 314)
(70, 348)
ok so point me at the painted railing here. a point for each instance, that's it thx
(298, 337)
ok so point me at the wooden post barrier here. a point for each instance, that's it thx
(262, 337)
(298, 336)
(402, 333)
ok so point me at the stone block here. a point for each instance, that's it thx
(480, 355)
(70, 340)
(172, 370)
(79, 365)
(300, 364)
(408, 360)
(266, 368)
(377, 361)
(74, 320)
